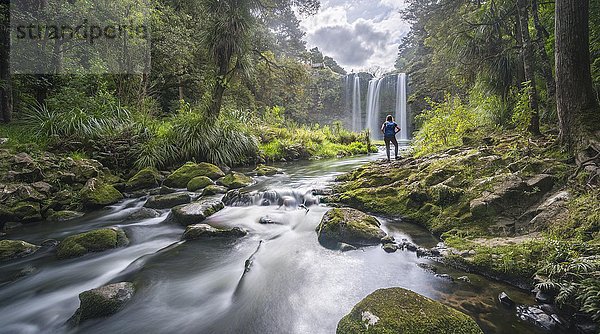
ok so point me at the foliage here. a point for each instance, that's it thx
(522, 110)
(444, 125)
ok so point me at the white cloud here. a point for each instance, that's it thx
(358, 34)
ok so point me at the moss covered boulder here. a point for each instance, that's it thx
(14, 249)
(64, 215)
(180, 177)
(26, 212)
(167, 201)
(397, 310)
(214, 190)
(195, 212)
(264, 170)
(235, 180)
(103, 301)
(145, 178)
(205, 231)
(199, 183)
(93, 241)
(96, 194)
(349, 226)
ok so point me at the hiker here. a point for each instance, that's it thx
(389, 129)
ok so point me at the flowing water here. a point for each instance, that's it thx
(294, 285)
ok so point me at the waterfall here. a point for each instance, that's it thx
(373, 107)
(356, 105)
(401, 115)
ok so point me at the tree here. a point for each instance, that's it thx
(5, 77)
(529, 66)
(578, 109)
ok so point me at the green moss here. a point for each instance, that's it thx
(349, 226)
(12, 249)
(263, 170)
(26, 211)
(397, 310)
(199, 182)
(145, 178)
(213, 190)
(93, 241)
(180, 177)
(97, 194)
(235, 180)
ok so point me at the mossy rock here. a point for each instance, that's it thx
(214, 190)
(397, 310)
(180, 177)
(144, 179)
(167, 201)
(93, 241)
(26, 212)
(14, 249)
(205, 231)
(235, 180)
(65, 215)
(349, 226)
(195, 212)
(96, 194)
(199, 182)
(103, 301)
(264, 170)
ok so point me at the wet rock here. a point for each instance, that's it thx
(465, 279)
(64, 215)
(202, 231)
(235, 180)
(96, 194)
(14, 249)
(267, 221)
(537, 317)
(167, 201)
(263, 170)
(505, 299)
(585, 325)
(144, 179)
(180, 177)
(427, 267)
(349, 226)
(195, 212)
(409, 246)
(26, 212)
(345, 247)
(164, 190)
(397, 310)
(388, 239)
(543, 297)
(237, 197)
(423, 252)
(50, 243)
(142, 214)
(390, 247)
(213, 190)
(103, 301)
(199, 182)
(92, 241)
(445, 276)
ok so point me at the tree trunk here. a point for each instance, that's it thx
(223, 75)
(6, 104)
(578, 110)
(529, 67)
(545, 66)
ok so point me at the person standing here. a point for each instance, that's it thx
(389, 130)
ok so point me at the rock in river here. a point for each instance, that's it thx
(397, 310)
(145, 178)
(195, 212)
(201, 231)
(199, 183)
(14, 249)
(167, 201)
(349, 226)
(235, 180)
(103, 301)
(180, 177)
(92, 241)
(95, 193)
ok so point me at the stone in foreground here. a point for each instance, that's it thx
(103, 301)
(93, 241)
(199, 183)
(397, 310)
(96, 194)
(195, 212)
(185, 173)
(235, 180)
(14, 249)
(205, 231)
(167, 201)
(144, 179)
(349, 226)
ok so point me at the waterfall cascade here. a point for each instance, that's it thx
(373, 106)
(356, 105)
(401, 115)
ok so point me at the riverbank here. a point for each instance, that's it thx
(508, 207)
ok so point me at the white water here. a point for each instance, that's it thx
(356, 105)
(373, 107)
(401, 115)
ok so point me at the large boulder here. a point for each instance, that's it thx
(64, 215)
(92, 241)
(103, 301)
(214, 190)
(14, 249)
(199, 182)
(195, 212)
(96, 193)
(180, 177)
(167, 201)
(235, 180)
(264, 170)
(205, 231)
(349, 226)
(144, 179)
(397, 310)
(26, 212)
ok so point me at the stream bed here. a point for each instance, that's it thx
(293, 286)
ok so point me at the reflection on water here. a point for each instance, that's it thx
(294, 285)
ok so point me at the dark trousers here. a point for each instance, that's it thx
(387, 141)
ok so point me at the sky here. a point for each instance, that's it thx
(359, 35)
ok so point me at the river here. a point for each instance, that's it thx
(294, 285)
